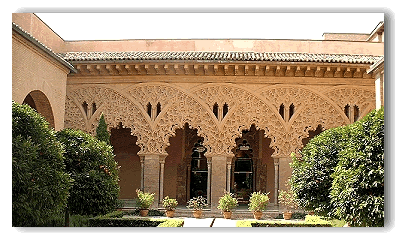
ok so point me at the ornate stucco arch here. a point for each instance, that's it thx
(116, 107)
(362, 96)
(245, 109)
(177, 108)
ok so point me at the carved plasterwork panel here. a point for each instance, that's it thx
(311, 109)
(363, 97)
(116, 108)
(247, 106)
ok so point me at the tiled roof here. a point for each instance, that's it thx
(39, 44)
(218, 56)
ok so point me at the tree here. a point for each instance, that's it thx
(358, 180)
(95, 172)
(40, 185)
(311, 176)
(101, 131)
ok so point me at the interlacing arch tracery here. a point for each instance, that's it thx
(116, 107)
(361, 97)
(244, 107)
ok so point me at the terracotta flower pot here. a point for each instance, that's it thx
(287, 215)
(197, 213)
(258, 214)
(143, 212)
(227, 214)
(170, 213)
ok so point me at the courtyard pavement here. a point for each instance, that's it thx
(209, 222)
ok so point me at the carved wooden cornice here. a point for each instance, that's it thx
(329, 70)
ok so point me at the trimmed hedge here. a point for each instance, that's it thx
(172, 223)
(262, 223)
(102, 221)
(123, 222)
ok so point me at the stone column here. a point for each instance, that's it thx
(209, 181)
(228, 174)
(142, 173)
(162, 177)
(379, 84)
(276, 179)
(284, 172)
(218, 178)
(152, 176)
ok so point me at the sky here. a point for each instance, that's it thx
(247, 25)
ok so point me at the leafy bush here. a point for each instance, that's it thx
(197, 203)
(40, 185)
(95, 172)
(169, 203)
(358, 181)
(265, 223)
(124, 222)
(79, 220)
(144, 200)
(101, 131)
(258, 201)
(311, 175)
(227, 202)
(172, 223)
(151, 213)
(288, 199)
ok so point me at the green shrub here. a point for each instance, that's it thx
(144, 200)
(40, 185)
(315, 219)
(95, 172)
(101, 131)
(258, 201)
(311, 179)
(124, 222)
(79, 220)
(169, 203)
(358, 181)
(227, 202)
(151, 213)
(172, 223)
(265, 223)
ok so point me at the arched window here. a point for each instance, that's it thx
(85, 106)
(158, 109)
(291, 110)
(94, 108)
(347, 110)
(356, 113)
(215, 109)
(281, 110)
(225, 110)
(149, 109)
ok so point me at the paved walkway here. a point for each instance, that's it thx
(209, 222)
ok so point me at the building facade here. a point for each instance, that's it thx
(197, 117)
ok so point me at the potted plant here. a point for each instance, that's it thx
(197, 204)
(287, 198)
(169, 204)
(144, 201)
(226, 203)
(258, 203)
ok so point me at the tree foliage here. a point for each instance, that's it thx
(311, 177)
(358, 186)
(341, 172)
(40, 185)
(95, 172)
(101, 131)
